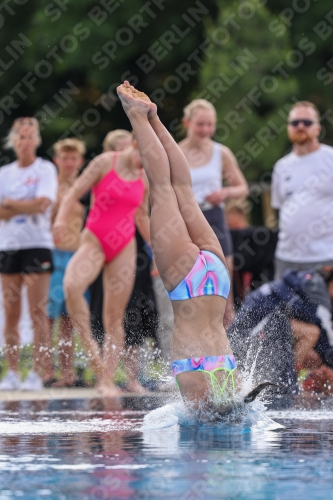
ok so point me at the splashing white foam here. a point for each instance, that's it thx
(176, 413)
(166, 416)
(248, 415)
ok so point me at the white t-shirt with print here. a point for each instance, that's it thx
(39, 180)
(302, 190)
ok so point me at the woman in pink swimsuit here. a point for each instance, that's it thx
(120, 196)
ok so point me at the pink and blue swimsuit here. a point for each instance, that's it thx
(208, 365)
(208, 276)
(204, 364)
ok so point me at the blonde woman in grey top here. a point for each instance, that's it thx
(210, 163)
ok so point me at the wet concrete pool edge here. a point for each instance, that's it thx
(49, 394)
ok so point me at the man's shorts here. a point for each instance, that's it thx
(57, 302)
(26, 261)
(57, 305)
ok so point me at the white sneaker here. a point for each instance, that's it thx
(11, 382)
(33, 382)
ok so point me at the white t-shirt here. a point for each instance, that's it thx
(302, 189)
(39, 180)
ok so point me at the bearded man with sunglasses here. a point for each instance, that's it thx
(302, 191)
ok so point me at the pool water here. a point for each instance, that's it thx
(82, 449)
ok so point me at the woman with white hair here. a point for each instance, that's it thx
(28, 189)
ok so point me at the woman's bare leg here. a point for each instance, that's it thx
(118, 282)
(65, 352)
(11, 292)
(199, 230)
(38, 285)
(83, 268)
(174, 251)
(132, 370)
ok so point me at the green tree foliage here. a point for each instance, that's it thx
(310, 27)
(241, 79)
(74, 54)
(61, 61)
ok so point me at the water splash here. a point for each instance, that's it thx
(242, 416)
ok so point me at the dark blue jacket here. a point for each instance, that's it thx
(300, 295)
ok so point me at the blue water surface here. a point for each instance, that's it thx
(84, 449)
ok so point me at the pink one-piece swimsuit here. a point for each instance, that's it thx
(111, 218)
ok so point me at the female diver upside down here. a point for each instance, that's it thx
(190, 261)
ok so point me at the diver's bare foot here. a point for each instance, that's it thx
(132, 99)
(152, 113)
(136, 387)
(65, 381)
(108, 390)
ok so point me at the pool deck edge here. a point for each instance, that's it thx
(75, 393)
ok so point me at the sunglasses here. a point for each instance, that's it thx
(306, 123)
(25, 120)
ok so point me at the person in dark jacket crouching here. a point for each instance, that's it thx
(284, 326)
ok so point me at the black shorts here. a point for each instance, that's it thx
(26, 261)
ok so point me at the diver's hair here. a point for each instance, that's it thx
(110, 141)
(195, 105)
(19, 122)
(326, 272)
(306, 104)
(69, 145)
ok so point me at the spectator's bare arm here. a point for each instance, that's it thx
(90, 177)
(237, 185)
(34, 206)
(306, 336)
(6, 213)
